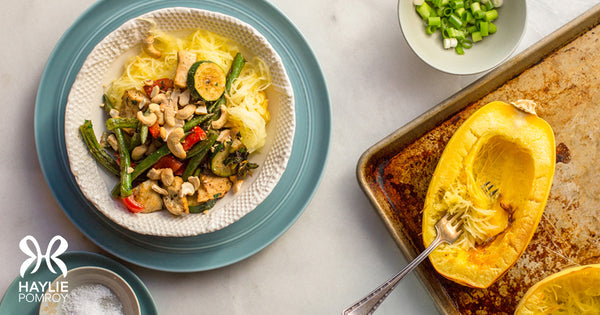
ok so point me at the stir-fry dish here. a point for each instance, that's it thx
(181, 122)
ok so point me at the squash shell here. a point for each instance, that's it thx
(564, 291)
(512, 149)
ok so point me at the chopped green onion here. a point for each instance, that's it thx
(491, 15)
(457, 4)
(461, 22)
(425, 11)
(484, 28)
(430, 29)
(459, 50)
(466, 43)
(455, 21)
(434, 21)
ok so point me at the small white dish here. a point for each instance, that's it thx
(89, 276)
(483, 56)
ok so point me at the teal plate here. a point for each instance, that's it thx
(252, 232)
(10, 302)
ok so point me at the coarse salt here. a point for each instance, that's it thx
(92, 299)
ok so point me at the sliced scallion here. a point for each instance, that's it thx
(461, 22)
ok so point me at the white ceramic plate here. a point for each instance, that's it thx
(484, 55)
(105, 63)
(89, 275)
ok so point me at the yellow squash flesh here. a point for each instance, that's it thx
(575, 290)
(511, 149)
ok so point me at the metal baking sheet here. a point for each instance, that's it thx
(561, 74)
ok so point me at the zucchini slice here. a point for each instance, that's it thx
(217, 163)
(206, 81)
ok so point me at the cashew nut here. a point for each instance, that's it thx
(169, 116)
(187, 189)
(195, 181)
(219, 123)
(163, 133)
(148, 46)
(154, 173)
(113, 113)
(138, 152)
(186, 112)
(159, 98)
(201, 110)
(224, 135)
(166, 176)
(184, 98)
(237, 186)
(159, 190)
(174, 142)
(155, 91)
(147, 120)
(112, 141)
(155, 109)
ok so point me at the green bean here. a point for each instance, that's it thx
(197, 158)
(108, 105)
(143, 134)
(125, 184)
(101, 156)
(121, 122)
(201, 146)
(234, 72)
(196, 121)
(144, 165)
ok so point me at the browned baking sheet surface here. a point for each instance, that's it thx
(566, 87)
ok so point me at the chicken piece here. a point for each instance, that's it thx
(185, 60)
(131, 103)
(213, 186)
(173, 202)
(144, 194)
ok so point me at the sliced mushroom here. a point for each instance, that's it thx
(175, 204)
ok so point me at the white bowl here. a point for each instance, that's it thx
(484, 55)
(105, 63)
(81, 276)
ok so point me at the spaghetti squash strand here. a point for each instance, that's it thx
(247, 101)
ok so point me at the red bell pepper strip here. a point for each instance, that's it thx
(132, 204)
(154, 130)
(168, 161)
(196, 136)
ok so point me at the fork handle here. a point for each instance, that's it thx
(369, 303)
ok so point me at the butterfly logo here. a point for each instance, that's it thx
(37, 256)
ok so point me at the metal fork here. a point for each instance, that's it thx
(488, 188)
(448, 230)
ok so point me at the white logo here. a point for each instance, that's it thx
(38, 257)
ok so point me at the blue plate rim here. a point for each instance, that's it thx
(317, 160)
